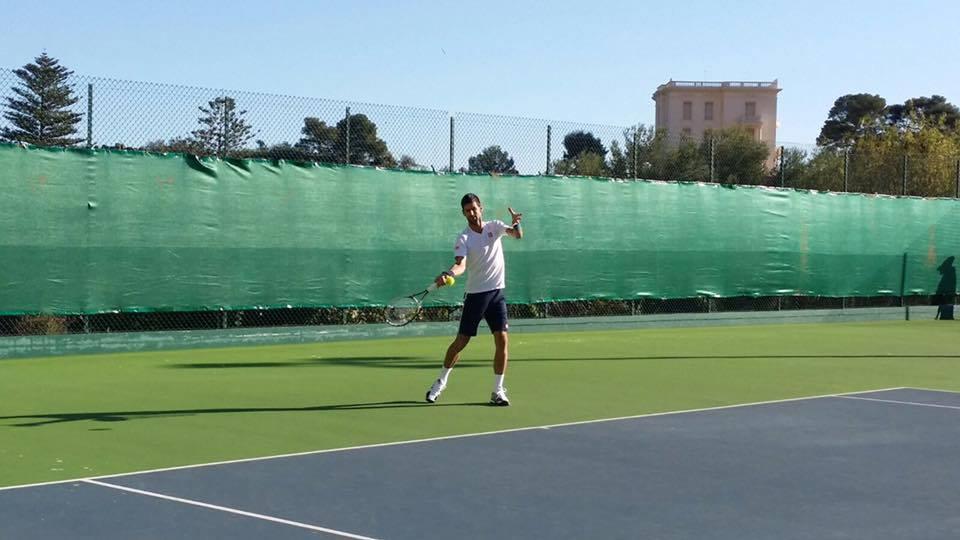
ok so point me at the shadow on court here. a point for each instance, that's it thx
(404, 362)
(44, 419)
(414, 362)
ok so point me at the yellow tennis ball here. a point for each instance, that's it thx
(448, 280)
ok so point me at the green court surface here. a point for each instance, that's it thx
(84, 416)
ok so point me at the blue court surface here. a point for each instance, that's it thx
(870, 465)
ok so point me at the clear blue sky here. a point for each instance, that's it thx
(580, 61)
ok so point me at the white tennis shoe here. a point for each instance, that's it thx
(434, 392)
(499, 398)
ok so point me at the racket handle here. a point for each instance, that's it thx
(432, 287)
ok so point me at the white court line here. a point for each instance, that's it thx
(230, 510)
(932, 390)
(902, 402)
(449, 437)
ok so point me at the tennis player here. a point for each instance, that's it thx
(478, 252)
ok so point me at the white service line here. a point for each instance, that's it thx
(230, 510)
(450, 437)
(902, 402)
(942, 391)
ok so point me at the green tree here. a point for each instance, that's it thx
(874, 163)
(579, 142)
(930, 110)
(925, 155)
(852, 116)
(646, 153)
(795, 164)
(41, 113)
(365, 147)
(684, 161)
(329, 143)
(282, 151)
(931, 160)
(618, 165)
(320, 141)
(653, 155)
(178, 144)
(824, 170)
(738, 158)
(875, 147)
(407, 162)
(491, 160)
(224, 131)
(584, 164)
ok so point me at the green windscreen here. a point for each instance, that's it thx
(92, 231)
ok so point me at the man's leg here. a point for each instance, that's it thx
(473, 308)
(453, 351)
(501, 354)
(499, 394)
(453, 354)
(496, 316)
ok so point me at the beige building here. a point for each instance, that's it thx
(689, 108)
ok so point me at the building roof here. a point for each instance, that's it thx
(718, 85)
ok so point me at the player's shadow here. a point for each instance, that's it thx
(946, 289)
(400, 362)
(43, 419)
(413, 362)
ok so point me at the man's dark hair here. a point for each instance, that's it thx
(469, 198)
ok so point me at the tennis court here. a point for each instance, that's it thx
(786, 431)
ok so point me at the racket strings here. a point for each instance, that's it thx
(402, 310)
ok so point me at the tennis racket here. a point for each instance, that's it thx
(404, 309)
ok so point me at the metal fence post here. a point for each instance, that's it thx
(903, 189)
(549, 133)
(346, 150)
(90, 115)
(957, 194)
(846, 169)
(451, 143)
(903, 288)
(222, 139)
(783, 177)
(712, 153)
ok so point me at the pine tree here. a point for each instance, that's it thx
(41, 114)
(224, 130)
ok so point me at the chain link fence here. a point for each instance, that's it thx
(229, 123)
(155, 117)
(41, 324)
(896, 171)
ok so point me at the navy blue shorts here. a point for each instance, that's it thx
(489, 305)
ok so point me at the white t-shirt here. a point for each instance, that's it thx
(484, 254)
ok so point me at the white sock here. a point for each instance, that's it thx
(444, 375)
(497, 382)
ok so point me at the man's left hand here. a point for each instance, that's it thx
(515, 215)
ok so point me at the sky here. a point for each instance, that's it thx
(574, 61)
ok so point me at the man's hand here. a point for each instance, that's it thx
(514, 215)
(440, 279)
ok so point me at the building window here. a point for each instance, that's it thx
(708, 110)
(751, 109)
(688, 110)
